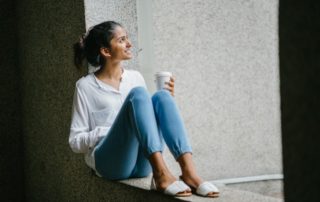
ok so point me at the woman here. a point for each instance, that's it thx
(119, 128)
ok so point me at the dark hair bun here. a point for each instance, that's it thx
(92, 47)
(79, 54)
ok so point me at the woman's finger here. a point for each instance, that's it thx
(170, 89)
(170, 83)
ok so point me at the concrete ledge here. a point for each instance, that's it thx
(227, 194)
(142, 183)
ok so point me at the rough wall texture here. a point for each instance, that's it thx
(46, 33)
(11, 160)
(299, 24)
(225, 58)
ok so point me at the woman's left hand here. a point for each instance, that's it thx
(170, 86)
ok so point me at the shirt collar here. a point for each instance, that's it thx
(107, 87)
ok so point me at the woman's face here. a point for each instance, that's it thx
(120, 45)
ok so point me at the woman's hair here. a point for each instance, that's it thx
(90, 43)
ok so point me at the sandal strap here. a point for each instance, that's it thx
(176, 187)
(205, 188)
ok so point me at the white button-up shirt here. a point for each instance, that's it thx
(95, 107)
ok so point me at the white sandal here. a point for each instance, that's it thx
(177, 188)
(206, 188)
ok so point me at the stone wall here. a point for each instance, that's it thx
(47, 30)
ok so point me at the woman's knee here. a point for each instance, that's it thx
(161, 96)
(139, 93)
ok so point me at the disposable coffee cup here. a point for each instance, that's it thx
(161, 79)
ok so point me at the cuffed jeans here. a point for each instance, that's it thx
(138, 131)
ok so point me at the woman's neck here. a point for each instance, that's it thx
(110, 72)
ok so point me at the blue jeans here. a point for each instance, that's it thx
(138, 131)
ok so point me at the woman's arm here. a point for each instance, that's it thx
(81, 139)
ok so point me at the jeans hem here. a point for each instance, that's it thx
(181, 152)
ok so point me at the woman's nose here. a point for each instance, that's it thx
(129, 43)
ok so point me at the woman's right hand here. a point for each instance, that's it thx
(170, 85)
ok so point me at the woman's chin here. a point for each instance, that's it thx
(128, 57)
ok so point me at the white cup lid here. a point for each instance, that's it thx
(163, 74)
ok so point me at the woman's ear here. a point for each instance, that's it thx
(105, 52)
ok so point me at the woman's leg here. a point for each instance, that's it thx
(189, 174)
(174, 134)
(132, 141)
(142, 167)
(170, 123)
(132, 138)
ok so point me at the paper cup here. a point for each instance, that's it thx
(161, 79)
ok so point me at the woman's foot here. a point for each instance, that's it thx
(165, 179)
(190, 177)
(195, 182)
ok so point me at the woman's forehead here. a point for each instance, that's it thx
(120, 31)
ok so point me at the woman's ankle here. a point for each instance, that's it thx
(191, 179)
(163, 179)
(160, 173)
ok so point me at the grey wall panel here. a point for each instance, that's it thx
(224, 55)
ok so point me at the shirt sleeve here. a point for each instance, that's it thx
(81, 140)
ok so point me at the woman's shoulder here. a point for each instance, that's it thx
(85, 81)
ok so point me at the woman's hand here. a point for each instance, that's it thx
(170, 86)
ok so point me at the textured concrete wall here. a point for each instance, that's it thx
(11, 160)
(47, 31)
(299, 25)
(224, 55)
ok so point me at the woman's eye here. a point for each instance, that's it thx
(123, 39)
